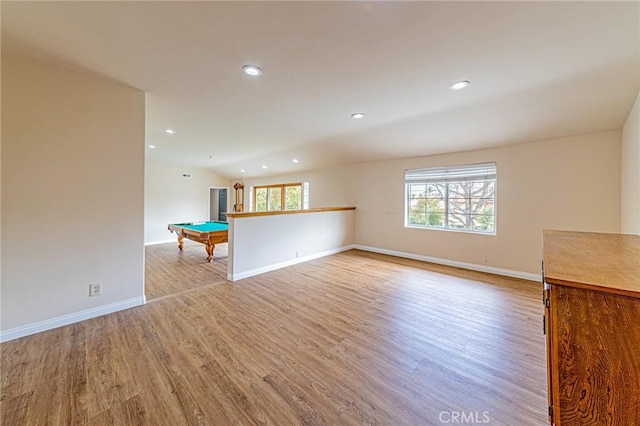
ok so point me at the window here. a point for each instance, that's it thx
(461, 198)
(288, 196)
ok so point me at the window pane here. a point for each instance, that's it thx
(436, 190)
(435, 219)
(458, 206)
(305, 195)
(417, 218)
(482, 188)
(434, 205)
(482, 206)
(417, 191)
(459, 190)
(261, 199)
(456, 197)
(416, 204)
(275, 200)
(293, 197)
(483, 222)
(458, 221)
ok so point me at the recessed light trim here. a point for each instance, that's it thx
(170, 131)
(152, 146)
(252, 70)
(295, 160)
(459, 85)
(357, 115)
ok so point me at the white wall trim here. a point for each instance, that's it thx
(48, 324)
(464, 265)
(153, 243)
(273, 267)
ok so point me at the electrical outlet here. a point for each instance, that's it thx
(297, 253)
(364, 238)
(95, 289)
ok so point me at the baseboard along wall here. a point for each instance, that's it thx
(455, 263)
(37, 327)
(48, 324)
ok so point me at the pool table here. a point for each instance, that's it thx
(207, 233)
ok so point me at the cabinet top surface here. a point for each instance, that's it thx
(605, 262)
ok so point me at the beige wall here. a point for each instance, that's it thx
(571, 183)
(72, 192)
(170, 198)
(327, 188)
(631, 171)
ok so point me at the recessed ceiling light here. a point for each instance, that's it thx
(295, 160)
(357, 115)
(152, 146)
(264, 166)
(170, 131)
(241, 170)
(459, 85)
(252, 70)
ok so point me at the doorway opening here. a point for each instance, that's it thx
(218, 204)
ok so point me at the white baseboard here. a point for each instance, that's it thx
(273, 267)
(153, 243)
(464, 265)
(37, 327)
(455, 263)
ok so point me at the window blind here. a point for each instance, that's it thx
(452, 174)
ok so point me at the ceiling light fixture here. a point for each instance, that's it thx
(295, 160)
(357, 115)
(241, 170)
(152, 146)
(264, 166)
(459, 85)
(252, 70)
(170, 131)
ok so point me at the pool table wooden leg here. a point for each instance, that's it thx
(180, 241)
(210, 246)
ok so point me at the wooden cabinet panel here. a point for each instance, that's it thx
(593, 329)
(598, 357)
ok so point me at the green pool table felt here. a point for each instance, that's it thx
(206, 226)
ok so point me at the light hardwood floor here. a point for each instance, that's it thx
(169, 270)
(354, 338)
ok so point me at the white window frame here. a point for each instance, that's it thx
(449, 175)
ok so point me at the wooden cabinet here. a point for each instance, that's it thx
(592, 326)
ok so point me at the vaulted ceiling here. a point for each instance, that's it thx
(537, 70)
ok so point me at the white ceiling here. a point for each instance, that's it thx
(538, 70)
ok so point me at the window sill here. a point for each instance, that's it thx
(460, 231)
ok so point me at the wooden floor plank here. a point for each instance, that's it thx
(169, 270)
(354, 338)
